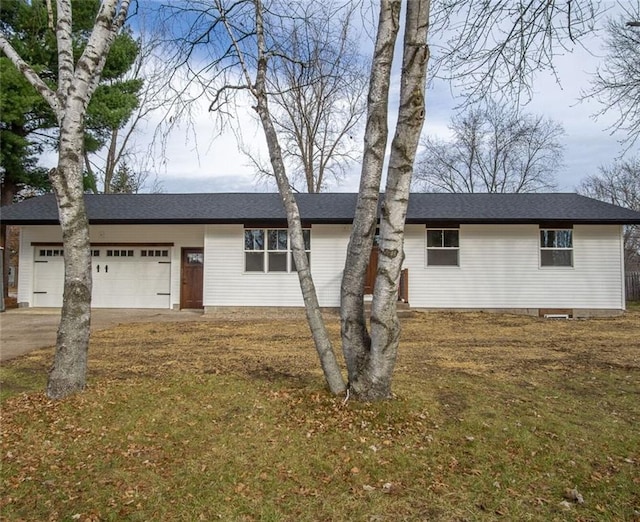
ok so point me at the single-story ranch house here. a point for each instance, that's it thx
(530, 253)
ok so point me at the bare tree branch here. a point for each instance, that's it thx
(496, 47)
(616, 84)
(493, 149)
(619, 184)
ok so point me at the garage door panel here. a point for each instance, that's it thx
(48, 273)
(128, 280)
(131, 280)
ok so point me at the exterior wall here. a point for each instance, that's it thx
(500, 268)
(227, 284)
(180, 235)
(328, 255)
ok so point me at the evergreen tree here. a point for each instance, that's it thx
(27, 124)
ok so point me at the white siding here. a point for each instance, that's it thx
(328, 254)
(500, 268)
(227, 284)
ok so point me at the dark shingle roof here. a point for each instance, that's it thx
(322, 208)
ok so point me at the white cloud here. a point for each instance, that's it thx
(197, 158)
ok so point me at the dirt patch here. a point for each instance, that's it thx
(274, 348)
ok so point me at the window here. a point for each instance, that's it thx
(278, 247)
(443, 246)
(556, 247)
(195, 258)
(269, 250)
(51, 252)
(119, 253)
(254, 250)
(154, 253)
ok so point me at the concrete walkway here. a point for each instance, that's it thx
(25, 329)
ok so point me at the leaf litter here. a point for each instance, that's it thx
(476, 395)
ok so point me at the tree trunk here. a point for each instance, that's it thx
(110, 164)
(76, 84)
(321, 339)
(374, 371)
(356, 342)
(68, 373)
(6, 198)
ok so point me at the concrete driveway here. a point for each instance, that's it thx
(25, 329)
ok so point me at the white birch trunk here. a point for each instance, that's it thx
(75, 86)
(328, 361)
(355, 337)
(68, 373)
(385, 327)
(375, 357)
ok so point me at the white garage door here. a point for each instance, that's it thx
(123, 277)
(48, 276)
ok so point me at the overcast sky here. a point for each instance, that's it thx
(214, 163)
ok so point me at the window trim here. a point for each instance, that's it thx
(570, 249)
(446, 248)
(265, 251)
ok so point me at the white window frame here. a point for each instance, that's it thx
(442, 247)
(288, 252)
(555, 248)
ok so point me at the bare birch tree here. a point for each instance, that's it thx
(152, 70)
(499, 43)
(317, 93)
(77, 80)
(619, 184)
(616, 84)
(247, 40)
(493, 149)
(495, 46)
(371, 360)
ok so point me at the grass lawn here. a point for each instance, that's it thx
(495, 417)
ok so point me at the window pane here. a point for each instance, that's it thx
(277, 262)
(273, 239)
(306, 234)
(254, 240)
(563, 239)
(197, 258)
(556, 257)
(434, 238)
(451, 238)
(254, 261)
(442, 257)
(556, 238)
(277, 239)
(283, 238)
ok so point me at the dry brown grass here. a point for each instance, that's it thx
(499, 345)
(227, 418)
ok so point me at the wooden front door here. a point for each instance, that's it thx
(191, 278)
(372, 269)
